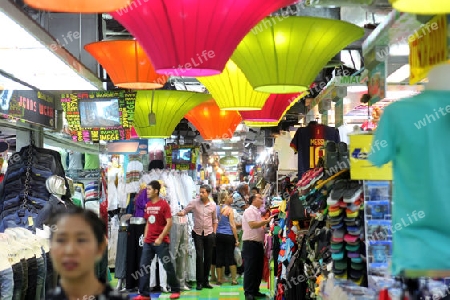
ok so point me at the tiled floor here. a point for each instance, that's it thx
(225, 292)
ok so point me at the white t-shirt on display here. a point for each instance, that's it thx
(344, 130)
(287, 159)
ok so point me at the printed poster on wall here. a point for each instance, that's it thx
(28, 106)
(102, 115)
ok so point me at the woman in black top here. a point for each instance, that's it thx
(77, 242)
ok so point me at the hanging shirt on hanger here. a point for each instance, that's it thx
(75, 161)
(309, 142)
(286, 155)
(344, 131)
(91, 161)
(63, 154)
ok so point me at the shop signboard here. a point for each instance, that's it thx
(377, 83)
(360, 167)
(428, 47)
(356, 80)
(229, 161)
(102, 115)
(29, 106)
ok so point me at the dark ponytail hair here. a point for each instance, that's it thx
(97, 225)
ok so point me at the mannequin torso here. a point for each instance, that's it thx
(414, 134)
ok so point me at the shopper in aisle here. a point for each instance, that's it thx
(77, 242)
(239, 197)
(252, 248)
(226, 238)
(156, 242)
(205, 225)
(254, 191)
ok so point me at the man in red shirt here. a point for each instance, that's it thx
(156, 242)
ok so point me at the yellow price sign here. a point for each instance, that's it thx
(360, 166)
(428, 47)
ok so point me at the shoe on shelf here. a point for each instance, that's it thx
(207, 286)
(174, 296)
(140, 297)
(164, 289)
(185, 288)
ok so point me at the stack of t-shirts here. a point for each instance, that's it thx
(91, 191)
(344, 206)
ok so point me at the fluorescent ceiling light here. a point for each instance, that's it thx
(31, 55)
(189, 87)
(234, 153)
(227, 147)
(241, 128)
(9, 84)
(399, 75)
(235, 139)
(357, 89)
(399, 49)
(221, 153)
(217, 141)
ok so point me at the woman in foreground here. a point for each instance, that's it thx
(77, 242)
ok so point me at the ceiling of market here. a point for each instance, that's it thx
(247, 140)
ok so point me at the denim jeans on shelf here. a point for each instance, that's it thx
(14, 174)
(40, 171)
(18, 281)
(49, 276)
(12, 202)
(6, 284)
(40, 282)
(24, 263)
(44, 274)
(179, 240)
(148, 253)
(20, 218)
(32, 278)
